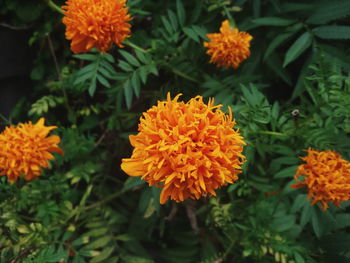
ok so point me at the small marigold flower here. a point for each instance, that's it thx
(229, 47)
(327, 177)
(25, 149)
(96, 23)
(188, 149)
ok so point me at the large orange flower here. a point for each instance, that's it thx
(96, 23)
(229, 47)
(327, 177)
(25, 149)
(189, 149)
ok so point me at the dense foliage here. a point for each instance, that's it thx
(292, 93)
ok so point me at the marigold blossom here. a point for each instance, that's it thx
(25, 149)
(188, 149)
(96, 23)
(326, 175)
(229, 47)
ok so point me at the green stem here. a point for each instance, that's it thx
(130, 44)
(106, 200)
(272, 133)
(229, 16)
(54, 7)
(4, 118)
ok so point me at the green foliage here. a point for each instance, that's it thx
(292, 93)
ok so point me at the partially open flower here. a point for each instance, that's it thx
(96, 23)
(326, 175)
(25, 149)
(229, 47)
(189, 149)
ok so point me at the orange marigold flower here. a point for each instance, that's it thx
(188, 149)
(96, 23)
(229, 47)
(26, 148)
(327, 177)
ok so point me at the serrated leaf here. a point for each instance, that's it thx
(143, 74)
(329, 11)
(305, 214)
(130, 58)
(297, 48)
(135, 82)
(332, 32)
(276, 42)
(125, 66)
(167, 25)
(286, 172)
(173, 19)
(92, 87)
(191, 33)
(180, 10)
(128, 94)
(99, 243)
(105, 253)
(89, 57)
(315, 221)
(273, 21)
(141, 56)
(103, 81)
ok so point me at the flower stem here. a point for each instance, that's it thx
(229, 16)
(106, 200)
(54, 6)
(4, 118)
(130, 44)
(272, 133)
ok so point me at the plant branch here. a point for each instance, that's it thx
(106, 200)
(54, 7)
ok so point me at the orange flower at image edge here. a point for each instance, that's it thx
(25, 149)
(188, 149)
(326, 176)
(229, 48)
(96, 24)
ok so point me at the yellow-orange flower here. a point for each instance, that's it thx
(96, 23)
(229, 47)
(25, 149)
(326, 175)
(189, 149)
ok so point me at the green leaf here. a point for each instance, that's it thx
(92, 87)
(103, 81)
(90, 57)
(305, 214)
(105, 253)
(128, 93)
(173, 19)
(132, 182)
(316, 224)
(130, 58)
(298, 258)
(286, 172)
(298, 47)
(167, 25)
(330, 10)
(143, 74)
(99, 243)
(191, 33)
(332, 32)
(135, 82)
(141, 56)
(276, 42)
(283, 223)
(125, 66)
(180, 10)
(273, 21)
